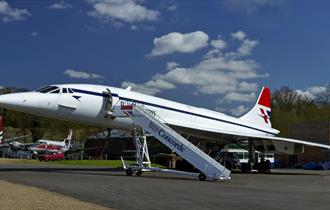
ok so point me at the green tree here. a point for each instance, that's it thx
(290, 107)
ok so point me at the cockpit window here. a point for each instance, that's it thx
(56, 91)
(70, 91)
(47, 89)
(40, 89)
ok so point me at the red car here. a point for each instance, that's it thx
(51, 156)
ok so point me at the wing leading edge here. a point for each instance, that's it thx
(283, 145)
(270, 143)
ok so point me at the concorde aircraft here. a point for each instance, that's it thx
(96, 104)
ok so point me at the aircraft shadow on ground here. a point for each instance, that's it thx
(59, 169)
(93, 171)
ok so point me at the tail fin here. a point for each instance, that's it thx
(261, 113)
(1, 129)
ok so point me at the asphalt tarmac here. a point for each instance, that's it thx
(112, 188)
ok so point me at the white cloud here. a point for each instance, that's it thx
(129, 11)
(239, 111)
(134, 27)
(171, 65)
(218, 44)
(62, 5)
(225, 74)
(246, 97)
(34, 34)
(239, 35)
(247, 87)
(250, 7)
(8, 14)
(312, 92)
(172, 7)
(220, 109)
(247, 47)
(178, 42)
(151, 87)
(82, 74)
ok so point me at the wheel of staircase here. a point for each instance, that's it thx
(201, 177)
(138, 173)
(129, 172)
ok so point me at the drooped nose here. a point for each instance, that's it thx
(11, 101)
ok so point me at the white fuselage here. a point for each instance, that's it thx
(87, 104)
(49, 142)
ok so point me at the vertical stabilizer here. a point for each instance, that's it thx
(261, 113)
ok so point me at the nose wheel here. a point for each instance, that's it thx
(129, 172)
(138, 173)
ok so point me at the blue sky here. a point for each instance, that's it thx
(213, 54)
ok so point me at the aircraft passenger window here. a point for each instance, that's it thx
(65, 90)
(56, 91)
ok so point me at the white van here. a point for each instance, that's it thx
(243, 155)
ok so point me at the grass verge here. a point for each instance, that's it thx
(109, 163)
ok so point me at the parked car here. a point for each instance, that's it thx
(51, 156)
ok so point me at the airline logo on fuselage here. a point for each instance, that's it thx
(163, 134)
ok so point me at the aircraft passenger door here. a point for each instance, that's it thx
(108, 102)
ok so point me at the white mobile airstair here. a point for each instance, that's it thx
(154, 125)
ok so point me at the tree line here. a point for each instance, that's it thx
(289, 107)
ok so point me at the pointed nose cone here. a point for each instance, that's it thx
(11, 101)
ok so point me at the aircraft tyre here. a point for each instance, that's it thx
(201, 177)
(129, 172)
(268, 166)
(138, 173)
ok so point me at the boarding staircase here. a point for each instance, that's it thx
(157, 127)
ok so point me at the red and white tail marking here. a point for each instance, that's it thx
(264, 97)
(261, 113)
